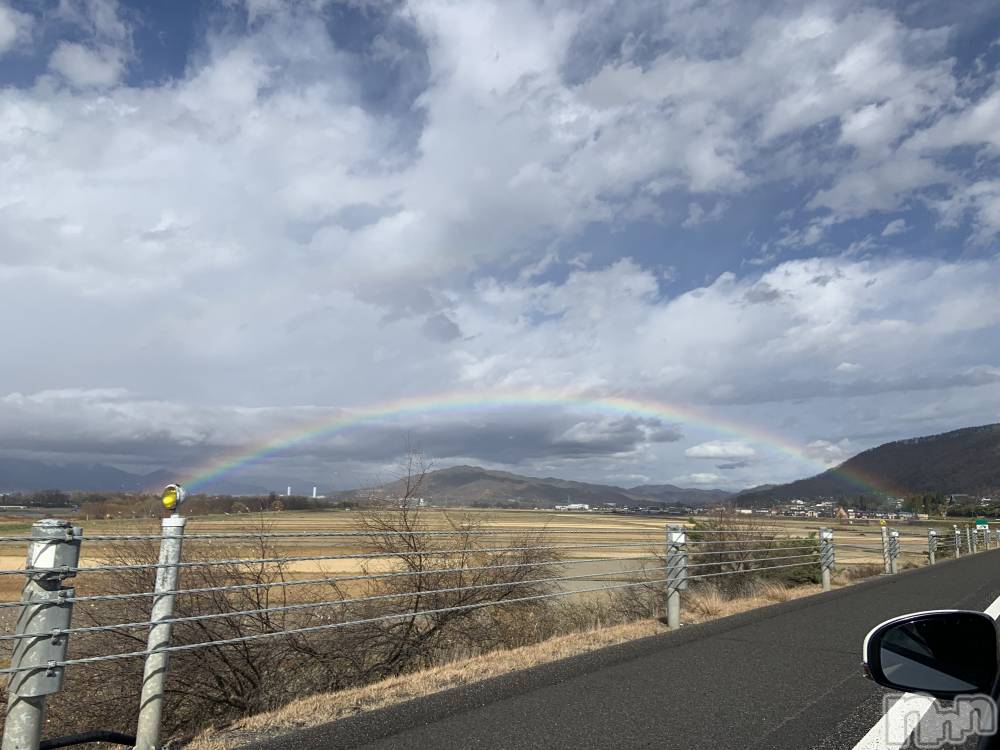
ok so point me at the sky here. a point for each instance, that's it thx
(225, 222)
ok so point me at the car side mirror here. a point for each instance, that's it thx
(945, 653)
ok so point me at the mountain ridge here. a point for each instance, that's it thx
(474, 484)
(26, 475)
(455, 484)
(962, 461)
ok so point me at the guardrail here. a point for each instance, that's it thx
(427, 573)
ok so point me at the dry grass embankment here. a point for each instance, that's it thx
(700, 605)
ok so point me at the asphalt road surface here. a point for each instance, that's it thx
(786, 677)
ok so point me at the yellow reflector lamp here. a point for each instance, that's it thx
(173, 496)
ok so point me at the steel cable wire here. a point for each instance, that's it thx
(371, 620)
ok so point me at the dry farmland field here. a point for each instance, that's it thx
(626, 537)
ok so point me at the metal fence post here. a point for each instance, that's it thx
(886, 556)
(931, 546)
(154, 673)
(677, 565)
(958, 542)
(826, 556)
(969, 544)
(893, 551)
(53, 555)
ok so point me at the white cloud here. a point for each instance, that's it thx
(831, 453)
(14, 27)
(721, 449)
(816, 315)
(848, 367)
(556, 156)
(100, 18)
(974, 124)
(896, 226)
(979, 200)
(882, 186)
(84, 67)
(99, 62)
(697, 214)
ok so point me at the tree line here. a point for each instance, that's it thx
(92, 505)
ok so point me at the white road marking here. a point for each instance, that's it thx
(994, 609)
(894, 720)
(910, 708)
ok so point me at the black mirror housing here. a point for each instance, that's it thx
(943, 653)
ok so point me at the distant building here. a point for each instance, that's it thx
(411, 501)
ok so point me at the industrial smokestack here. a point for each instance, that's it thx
(288, 491)
(314, 493)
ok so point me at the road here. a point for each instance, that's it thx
(785, 677)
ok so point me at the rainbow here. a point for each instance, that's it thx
(478, 402)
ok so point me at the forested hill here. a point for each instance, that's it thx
(965, 461)
(470, 485)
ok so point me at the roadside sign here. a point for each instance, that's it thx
(982, 523)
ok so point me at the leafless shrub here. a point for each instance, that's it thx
(732, 552)
(739, 551)
(212, 683)
(448, 598)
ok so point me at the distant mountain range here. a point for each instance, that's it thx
(965, 461)
(459, 485)
(464, 485)
(671, 494)
(25, 475)
(22, 475)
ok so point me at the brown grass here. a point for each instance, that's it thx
(707, 602)
(846, 574)
(699, 605)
